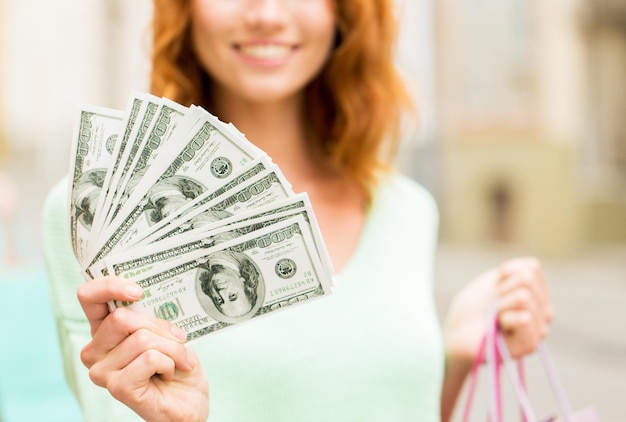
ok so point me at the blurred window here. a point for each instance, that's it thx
(496, 74)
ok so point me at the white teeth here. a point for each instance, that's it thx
(267, 51)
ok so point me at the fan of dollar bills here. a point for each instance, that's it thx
(184, 205)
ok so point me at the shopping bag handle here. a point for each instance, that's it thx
(493, 347)
(495, 408)
(474, 379)
(550, 370)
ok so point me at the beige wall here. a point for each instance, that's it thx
(518, 192)
(560, 69)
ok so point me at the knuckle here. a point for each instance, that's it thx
(116, 388)
(525, 320)
(143, 338)
(96, 376)
(118, 316)
(150, 357)
(523, 299)
(86, 356)
(81, 292)
(526, 279)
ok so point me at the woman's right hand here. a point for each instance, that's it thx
(142, 360)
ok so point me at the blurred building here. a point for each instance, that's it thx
(522, 138)
(532, 99)
(54, 55)
(603, 24)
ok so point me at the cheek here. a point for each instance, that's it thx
(322, 26)
(206, 22)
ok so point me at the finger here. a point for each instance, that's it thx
(519, 296)
(524, 309)
(133, 347)
(531, 267)
(520, 332)
(122, 322)
(525, 289)
(519, 293)
(133, 381)
(95, 294)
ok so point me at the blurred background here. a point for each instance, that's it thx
(522, 142)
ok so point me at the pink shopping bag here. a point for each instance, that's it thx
(495, 353)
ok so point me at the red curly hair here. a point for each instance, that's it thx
(355, 104)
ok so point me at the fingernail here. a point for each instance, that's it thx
(134, 290)
(178, 332)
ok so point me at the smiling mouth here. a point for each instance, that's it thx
(265, 51)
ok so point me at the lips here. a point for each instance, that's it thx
(266, 51)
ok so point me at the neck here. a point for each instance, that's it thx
(278, 128)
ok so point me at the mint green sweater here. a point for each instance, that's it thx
(371, 351)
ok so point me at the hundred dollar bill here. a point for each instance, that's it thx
(139, 115)
(134, 261)
(296, 204)
(129, 263)
(203, 159)
(279, 205)
(256, 274)
(259, 165)
(264, 188)
(93, 142)
(169, 119)
(254, 168)
(290, 205)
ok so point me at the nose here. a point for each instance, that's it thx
(266, 13)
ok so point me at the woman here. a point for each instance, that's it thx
(312, 83)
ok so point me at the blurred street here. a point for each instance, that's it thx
(587, 339)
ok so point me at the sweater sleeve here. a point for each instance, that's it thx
(72, 326)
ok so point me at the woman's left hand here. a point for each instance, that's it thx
(524, 313)
(524, 310)
(523, 305)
